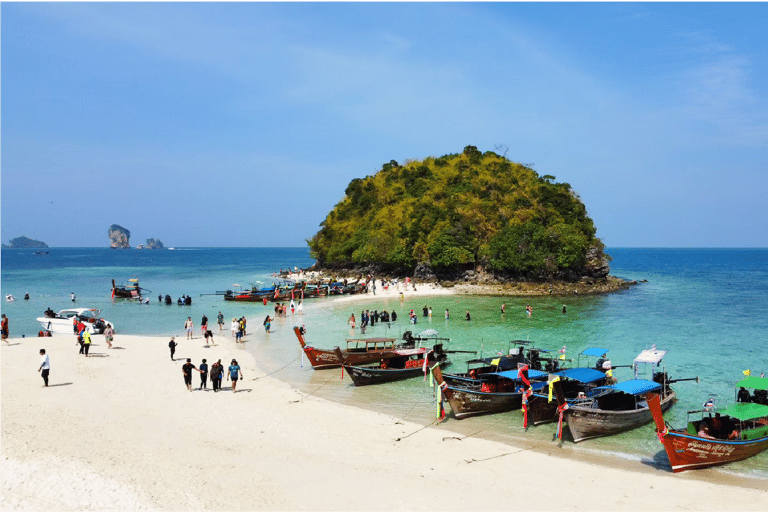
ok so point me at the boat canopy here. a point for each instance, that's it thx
(753, 383)
(583, 375)
(428, 332)
(745, 411)
(651, 355)
(634, 387)
(514, 375)
(595, 352)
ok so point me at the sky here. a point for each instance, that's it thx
(241, 124)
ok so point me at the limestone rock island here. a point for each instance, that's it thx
(119, 237)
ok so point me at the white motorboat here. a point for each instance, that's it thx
(63, 321)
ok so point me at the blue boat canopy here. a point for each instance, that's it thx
(584, 375)
(595, 352)
(512, 374)
(634, 387)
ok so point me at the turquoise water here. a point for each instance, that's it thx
(707, 307)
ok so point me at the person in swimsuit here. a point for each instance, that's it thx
(189, 325)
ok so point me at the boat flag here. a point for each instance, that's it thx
(709, 404)
(291, 294)
(496, 361)
(424, 366)
(551, 385)
(747, 372)
(113, 293)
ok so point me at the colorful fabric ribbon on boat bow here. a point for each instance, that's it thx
(522, 374)
(551, 386)
(560, 411)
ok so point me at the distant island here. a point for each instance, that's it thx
(152, 243)
(119, 237)
(468, 217)
(23, 242)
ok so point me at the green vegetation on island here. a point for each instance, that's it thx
(470, 211)
(23, 242)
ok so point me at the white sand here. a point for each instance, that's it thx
(121, 431)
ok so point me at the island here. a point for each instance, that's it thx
(466, 218)
(23, 242)
(119, 237)
(152, 243)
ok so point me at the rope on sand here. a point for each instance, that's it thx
(274, 372)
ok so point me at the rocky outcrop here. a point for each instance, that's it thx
(154, 243)
(119, 237)
(23, 242)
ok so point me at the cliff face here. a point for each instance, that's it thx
(119, 237)
(23, 242)
(154, 243)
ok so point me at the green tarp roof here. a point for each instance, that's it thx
(753, 383)
(745, 411)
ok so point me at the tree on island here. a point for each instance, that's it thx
(462, 211)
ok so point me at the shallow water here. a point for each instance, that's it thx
(707, 307)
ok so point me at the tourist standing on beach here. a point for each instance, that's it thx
(351, 320)
(203, 375)
(80, 328)
(109, 333)
(216, 370)
(172, 346)
(203, 325)
(267, 324)
(529, 309)
(234, 371)
(300, 308)
(187, 368)
(4, 329)
(208, 336)
(235, 327)
(447, 315)
(189, 325)
(468, 317)
(430, 313)
(503, 307)
(45, 366)
(220, 320)
(86, 341)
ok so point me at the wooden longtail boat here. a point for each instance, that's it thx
(575, 382)
(406, 364)
(489, 393)
(618, 407)
(733, 433)
(132, 290)
(362, 351)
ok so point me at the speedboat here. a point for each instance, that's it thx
(63, 321)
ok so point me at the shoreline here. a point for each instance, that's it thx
(119, 430)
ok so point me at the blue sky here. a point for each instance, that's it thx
(241, 124)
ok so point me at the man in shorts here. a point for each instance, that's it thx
(187, 369)
(234, 373)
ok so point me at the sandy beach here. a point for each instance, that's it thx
(119, 430)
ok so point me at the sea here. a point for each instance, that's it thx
(707, 307)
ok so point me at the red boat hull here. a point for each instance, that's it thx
(686, 451)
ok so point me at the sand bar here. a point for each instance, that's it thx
(120, 431)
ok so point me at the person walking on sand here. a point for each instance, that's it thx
(4, 329)
(203, 325)
(220, 321)
(172, 346)
(234, 371)
(187, 368)
(45, 366)
(235, 327)
(216, 370)
(109, 334)
(189, 325)
(86, 341)
(351, 321)
(203, 375)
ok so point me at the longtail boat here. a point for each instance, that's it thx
(608, 410)
(488, 393)
(132, 290)
(717, 436)
(359, 351)
(575, 383)
(406, 364)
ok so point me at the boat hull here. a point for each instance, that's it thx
(325, 359)
(365, 376)
(587, 423)
(64, 326)
(541, 410)
(466, 402)
(686, 451)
